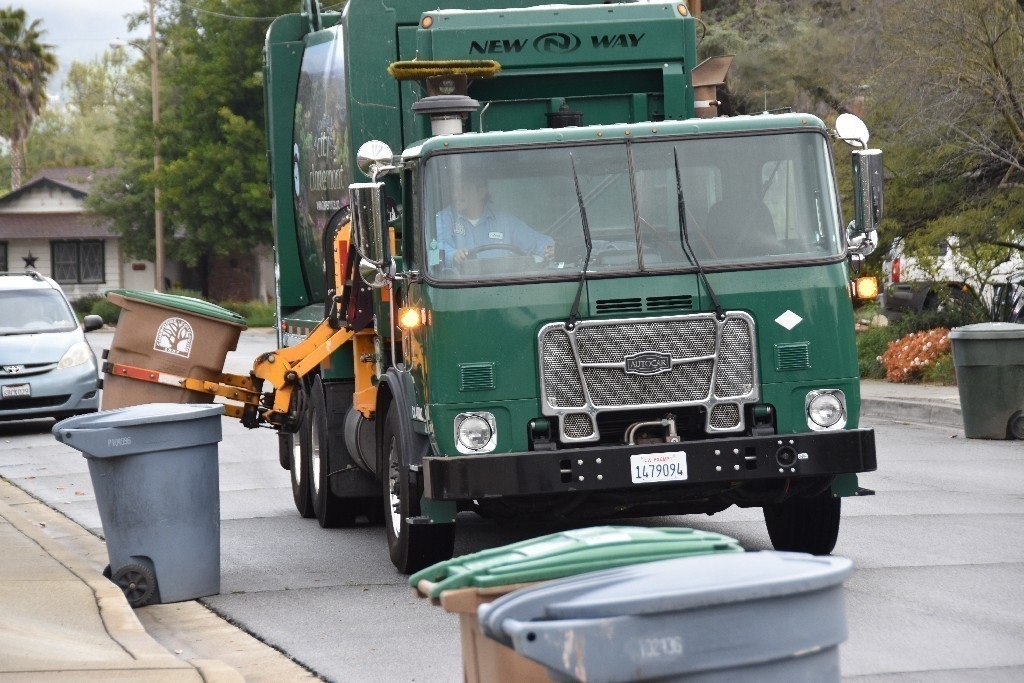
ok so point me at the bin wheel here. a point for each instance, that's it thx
(106, 572)
(1017, 426)
(411, 546)
(137, 582)
(300, 468)
(805, 525)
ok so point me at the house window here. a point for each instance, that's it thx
(78, 262)
(3, 257)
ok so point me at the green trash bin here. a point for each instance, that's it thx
(989, 362)
(462, 584)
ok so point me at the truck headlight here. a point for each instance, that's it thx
(475, 432)
(826, 409)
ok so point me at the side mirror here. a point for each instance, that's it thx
(366, 203)
(92, 322)
(851, 130)
(867, 200)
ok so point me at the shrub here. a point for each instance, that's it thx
(871, 344)
(907, 358)
(950, 317)
(177, 291)
(106, 310)
(83, 305)
(941, 371)
(256, 313)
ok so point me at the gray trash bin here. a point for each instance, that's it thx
(989, 362)
(764, 616)
(154, 472)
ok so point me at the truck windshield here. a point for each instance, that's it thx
(750, 200)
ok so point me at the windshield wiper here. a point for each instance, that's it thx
(684, 239)
(574, 314)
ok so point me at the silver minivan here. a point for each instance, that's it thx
(47, 369)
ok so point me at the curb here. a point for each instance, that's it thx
(917, 412)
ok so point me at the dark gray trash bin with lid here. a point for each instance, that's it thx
(154, 473)
(989, 362)
(765, 616)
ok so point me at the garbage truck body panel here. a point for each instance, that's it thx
(646, 312)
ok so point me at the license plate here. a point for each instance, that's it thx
(16, 391)
(653, 467)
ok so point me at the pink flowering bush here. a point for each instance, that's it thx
(907, 359)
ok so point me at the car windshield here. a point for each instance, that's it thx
(35, 311)
(749, 200)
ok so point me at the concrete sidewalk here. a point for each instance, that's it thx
(60, 619)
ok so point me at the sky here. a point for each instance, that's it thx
(80, 30)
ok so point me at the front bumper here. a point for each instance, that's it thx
(56, 393)
(905, 296)
(608, 468)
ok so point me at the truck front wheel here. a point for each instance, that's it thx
(806, 525)
(412, 546)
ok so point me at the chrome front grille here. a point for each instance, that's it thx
(677, 361)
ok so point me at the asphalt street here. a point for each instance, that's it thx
(936, 596)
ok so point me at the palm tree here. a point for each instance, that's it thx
(25, 67)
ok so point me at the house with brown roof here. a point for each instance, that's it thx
(44, 227)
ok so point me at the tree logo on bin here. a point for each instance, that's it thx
(174, 336)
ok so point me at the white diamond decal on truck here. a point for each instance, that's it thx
(789, 320)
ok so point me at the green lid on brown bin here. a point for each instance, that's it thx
(187, 304)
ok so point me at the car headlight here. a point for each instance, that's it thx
(78, 353)
(475, 432)
(826, 409)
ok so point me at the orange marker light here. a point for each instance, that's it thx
(866, 287)
(427, 22)
(409, 318)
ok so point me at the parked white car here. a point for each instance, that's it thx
(911, 285)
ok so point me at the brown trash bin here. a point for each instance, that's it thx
(166, 333)
(484, 659)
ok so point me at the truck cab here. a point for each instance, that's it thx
(569, 294)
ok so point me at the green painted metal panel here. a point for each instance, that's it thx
(719, 126)
(283, 56)
(496, 328)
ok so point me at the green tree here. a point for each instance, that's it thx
(25, 67)
(948, 94)
(792, 54)
(80, 131)
(211, 140)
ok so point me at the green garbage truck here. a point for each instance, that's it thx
(525, 269)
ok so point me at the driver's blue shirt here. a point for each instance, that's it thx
(456, 232)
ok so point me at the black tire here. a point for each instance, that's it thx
(805, 525)
(285, 445)
(330, 510)
(300, 468)
(411, 546)
(1016, 426)
(137, 582)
